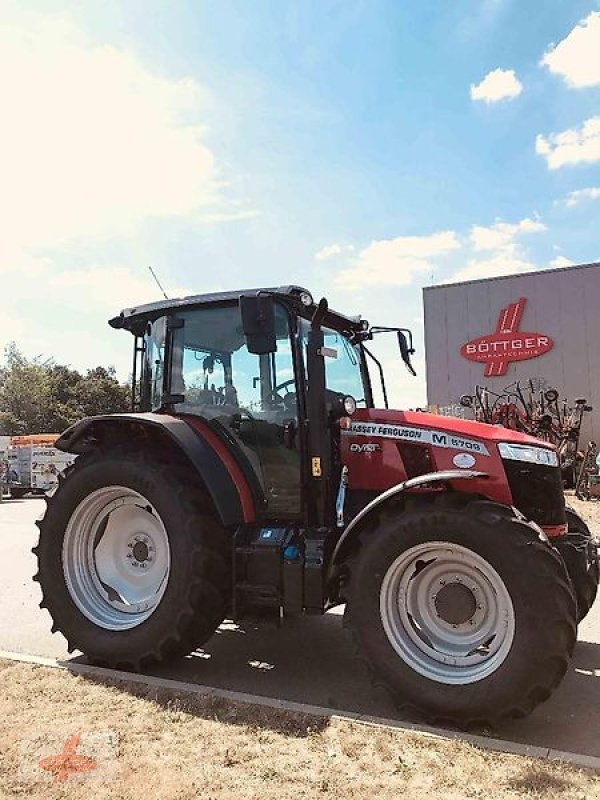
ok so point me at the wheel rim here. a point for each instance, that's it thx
(447, 613)
(116, 558)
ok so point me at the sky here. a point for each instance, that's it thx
(361, 148)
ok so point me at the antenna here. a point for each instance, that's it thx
(158, 283)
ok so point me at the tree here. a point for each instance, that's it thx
(40, 396)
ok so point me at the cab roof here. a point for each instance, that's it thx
(134, 319)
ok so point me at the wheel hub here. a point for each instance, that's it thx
(455, 604)
(140, 551)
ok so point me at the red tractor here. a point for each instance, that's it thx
(254, 472)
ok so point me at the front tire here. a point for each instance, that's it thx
(460, 610)
(133, 565)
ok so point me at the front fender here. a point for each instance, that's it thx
(411, 483)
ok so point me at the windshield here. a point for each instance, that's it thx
(343, 359)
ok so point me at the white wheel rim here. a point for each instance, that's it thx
(116, 558)
(447, 613)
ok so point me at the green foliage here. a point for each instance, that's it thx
(39, 396)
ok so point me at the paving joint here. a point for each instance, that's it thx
(484, 742)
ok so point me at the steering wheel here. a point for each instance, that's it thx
(289, 398)
(284, 385)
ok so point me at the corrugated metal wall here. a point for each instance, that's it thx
(562, 303)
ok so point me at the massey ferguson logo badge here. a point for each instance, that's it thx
(508, 343)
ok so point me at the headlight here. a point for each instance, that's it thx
(527, 452)
(349, 405)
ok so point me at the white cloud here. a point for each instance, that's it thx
(504, 253)
(573, 146)
(504, 262)
(229, 216)
(500, 84)
(63, 313)
(561, 261)
(577, 57)
(501, 234)
(395, 262)
(580, 195)
(333, 250)
(105, 288)
(94, 142)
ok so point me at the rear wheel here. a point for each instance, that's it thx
(133, 565)
(460, 610)
(578, 552)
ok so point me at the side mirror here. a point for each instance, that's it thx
(406, 352)
(258, 323)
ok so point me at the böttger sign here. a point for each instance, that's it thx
(496, 350)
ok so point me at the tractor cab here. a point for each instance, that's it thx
(240, 362)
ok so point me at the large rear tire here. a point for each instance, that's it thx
(133, 565)
(460, 610)
(577, 550)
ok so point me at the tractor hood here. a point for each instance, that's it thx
(381, 448)
(459, 428)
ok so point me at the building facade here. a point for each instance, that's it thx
(542, 326)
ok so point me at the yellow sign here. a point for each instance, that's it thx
(316, 467)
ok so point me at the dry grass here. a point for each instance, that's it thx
(186, 747)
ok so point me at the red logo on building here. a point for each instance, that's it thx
(508, 343)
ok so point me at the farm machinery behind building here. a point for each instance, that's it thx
(539, 412)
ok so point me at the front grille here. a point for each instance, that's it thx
(537, 491)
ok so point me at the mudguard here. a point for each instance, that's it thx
(225, 485)
(411, 483)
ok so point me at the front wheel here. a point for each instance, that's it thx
(460, 610)
(133, 565)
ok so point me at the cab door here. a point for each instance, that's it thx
(253, 397)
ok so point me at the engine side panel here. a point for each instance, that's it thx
(381, 453)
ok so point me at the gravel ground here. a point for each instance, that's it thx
(589, 510)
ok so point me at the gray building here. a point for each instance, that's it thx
(540, 325)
